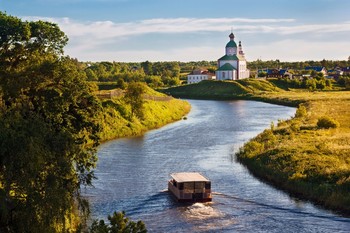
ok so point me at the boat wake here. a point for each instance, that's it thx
(207, 218)
(202, 211)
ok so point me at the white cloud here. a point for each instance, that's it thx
(133, 55)
(299, 50)
(159, 25)
(92, 40)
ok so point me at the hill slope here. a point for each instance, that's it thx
(159, 110)
(223, 90)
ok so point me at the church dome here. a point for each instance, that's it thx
(231, 43)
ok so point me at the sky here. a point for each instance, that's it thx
(194, 30)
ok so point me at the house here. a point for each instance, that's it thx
(321, 69)
(346, 70)
(335, 73)
(232, 65)
(276, 73)
(198, 75)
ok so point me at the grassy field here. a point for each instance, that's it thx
(307, 160)
(159, 110)
(222, 90)
(303, 157)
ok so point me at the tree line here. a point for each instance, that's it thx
(297, 65)
(155, 74)
(171, 73)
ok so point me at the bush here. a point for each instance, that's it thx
(118, 224)
(301, 111)
(326, 122)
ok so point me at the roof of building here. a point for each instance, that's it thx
(231, 44)
(201, 72)
(227, 66)
(316, 68)
(229, 57)
(188, 177)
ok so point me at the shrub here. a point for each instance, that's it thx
(251, 149)
(326, 122)
(118, 223)
(301, 111)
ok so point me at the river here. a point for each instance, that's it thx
(133, 172)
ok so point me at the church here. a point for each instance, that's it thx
(232, 65)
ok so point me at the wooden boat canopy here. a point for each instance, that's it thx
(188, 177)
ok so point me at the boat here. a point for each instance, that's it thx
(190, 187)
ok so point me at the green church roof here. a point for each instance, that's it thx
(227, 66)
(231, 44)
(229, 57)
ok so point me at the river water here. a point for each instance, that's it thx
(133, 172)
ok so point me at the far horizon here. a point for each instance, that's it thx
(196, 30)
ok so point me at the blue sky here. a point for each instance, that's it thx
(194, 30)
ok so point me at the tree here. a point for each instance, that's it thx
(22, 39)
(121, 84)
(118, 224)
(91, 75)
(147, 67)
(329, 83)
(262, 74)
(133, 96)
(48, 128)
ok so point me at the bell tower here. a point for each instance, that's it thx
(231, 46)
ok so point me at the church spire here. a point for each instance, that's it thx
(232, 36)
(240, 50)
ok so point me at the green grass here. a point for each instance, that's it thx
(307, 160)
(223, 90)
(159, 110)
(209, 90)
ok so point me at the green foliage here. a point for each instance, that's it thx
(158, 110)
(256, 86)
(297, 157)
(329, 83)
(301, 112)
(118, 223)
(222, 89)
(133, 96)
(22, 40)
(48, 128)
(262, 74)
(319, 83)
(156, 74)
(326, 122)
(299, 65)
(252, 148)
(344, 82)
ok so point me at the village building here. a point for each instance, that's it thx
(346, 70)
(321, 69)
(232, 65)
(198, 75)
(276, 73)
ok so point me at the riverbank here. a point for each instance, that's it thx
(158, 109)
(297, 155)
